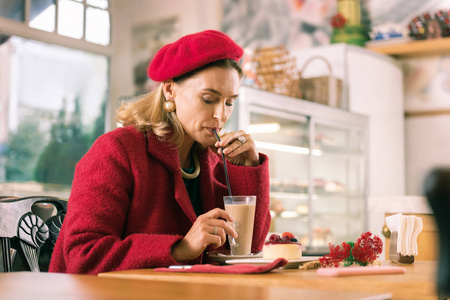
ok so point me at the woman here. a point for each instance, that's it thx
(150, 194)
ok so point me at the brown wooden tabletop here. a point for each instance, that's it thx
(417, 283)
(48, 286)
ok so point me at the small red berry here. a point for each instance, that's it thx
(288, 234)
(285, 238)
(274, 238)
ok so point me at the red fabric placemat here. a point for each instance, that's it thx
(233, 269)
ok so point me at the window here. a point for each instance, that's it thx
(87, 20)
(53, 99)
(13, 9)
(52, 107)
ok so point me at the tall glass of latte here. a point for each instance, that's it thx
(242, 209)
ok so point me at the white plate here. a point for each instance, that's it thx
(293, 263)
(222, 258)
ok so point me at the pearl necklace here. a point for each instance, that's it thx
(196, 170)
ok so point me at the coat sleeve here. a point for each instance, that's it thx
(91, 238)
(254, 181)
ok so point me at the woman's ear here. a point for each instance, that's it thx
(168, 89)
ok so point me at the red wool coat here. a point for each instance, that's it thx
(129, 204)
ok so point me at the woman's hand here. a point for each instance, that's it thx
(239, 148)
(207, 230)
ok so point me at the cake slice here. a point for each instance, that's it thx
(286, 246)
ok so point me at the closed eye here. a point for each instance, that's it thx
(213, 101)
(207, 101)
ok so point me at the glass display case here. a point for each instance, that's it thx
(318, 166)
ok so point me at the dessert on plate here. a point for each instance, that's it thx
(285, 246)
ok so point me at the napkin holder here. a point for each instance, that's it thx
(396, 257)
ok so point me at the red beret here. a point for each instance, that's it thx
(191, 52)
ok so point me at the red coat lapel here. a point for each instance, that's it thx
(167, 154)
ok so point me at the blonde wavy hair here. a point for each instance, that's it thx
(147, 112)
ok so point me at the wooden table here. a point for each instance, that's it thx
(48, 286)
(417, 283)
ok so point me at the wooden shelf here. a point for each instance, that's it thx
(415, 48)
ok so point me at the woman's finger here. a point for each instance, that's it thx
(236, 148)
(230, 137)
(216, 241)
(223, 237)
(218, 232)
(221, 224)
(217, 213)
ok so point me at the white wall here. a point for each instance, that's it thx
(377, 91)
(427, 143)
(193, 15)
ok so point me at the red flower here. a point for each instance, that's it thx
(338, 20)
(337, 254)
(366, 250)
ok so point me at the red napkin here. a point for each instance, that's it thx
(233, 269)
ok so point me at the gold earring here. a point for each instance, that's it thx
(169, 105)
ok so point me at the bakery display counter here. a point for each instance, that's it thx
(318, 165)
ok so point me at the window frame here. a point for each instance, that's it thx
(22, 29)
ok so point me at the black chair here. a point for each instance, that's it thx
(28, 225)
(437, 191)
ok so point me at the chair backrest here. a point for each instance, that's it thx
(28, 224)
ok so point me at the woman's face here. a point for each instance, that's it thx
(205, 102)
